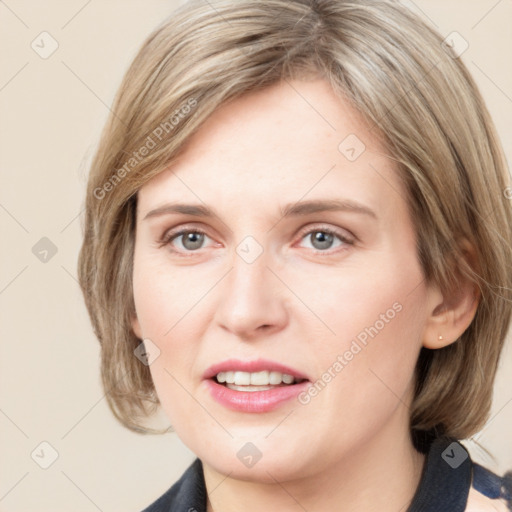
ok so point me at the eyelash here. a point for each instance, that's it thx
(169, 237)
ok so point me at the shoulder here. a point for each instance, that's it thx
(452, 481)
(489, 492)
(477, 502)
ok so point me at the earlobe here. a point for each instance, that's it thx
(447, 326)
(436, 334)
(453, 311)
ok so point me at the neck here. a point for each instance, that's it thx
(381, 474)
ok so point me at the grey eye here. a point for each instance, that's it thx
(192, 240)
(321, 240)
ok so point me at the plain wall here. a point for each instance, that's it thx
(52, 112)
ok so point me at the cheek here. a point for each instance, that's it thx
(165, 313)
(369, 301)
(378, 358)
(168, 306)
(375, 318)
(164, 298)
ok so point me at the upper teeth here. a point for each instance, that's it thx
(263, 378)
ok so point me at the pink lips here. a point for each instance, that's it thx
(253, 401)
(258, 365)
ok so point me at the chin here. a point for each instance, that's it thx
(261, 460)
(270, 470)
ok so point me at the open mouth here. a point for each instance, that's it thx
(256, 386)
(255, 381)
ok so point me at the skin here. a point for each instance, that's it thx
(299, 303)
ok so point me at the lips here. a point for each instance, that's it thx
(252, 386)
(254, 366)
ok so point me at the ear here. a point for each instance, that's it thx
(451, 313)
(136, 326)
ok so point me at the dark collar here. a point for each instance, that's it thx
(445, 480)
(188, 494)
(444, 484)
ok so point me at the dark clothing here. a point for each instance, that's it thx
(447, 477)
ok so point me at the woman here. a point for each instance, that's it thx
(298, 243)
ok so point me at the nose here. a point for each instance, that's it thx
(253, 300)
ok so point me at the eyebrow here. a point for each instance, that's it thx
(290, 210)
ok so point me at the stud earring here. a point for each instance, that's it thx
(440, 338)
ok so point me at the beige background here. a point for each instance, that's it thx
(52, 111)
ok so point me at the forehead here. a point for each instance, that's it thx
(289, 141)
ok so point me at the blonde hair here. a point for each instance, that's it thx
(415, 95)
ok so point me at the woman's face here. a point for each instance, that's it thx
(331, 292)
